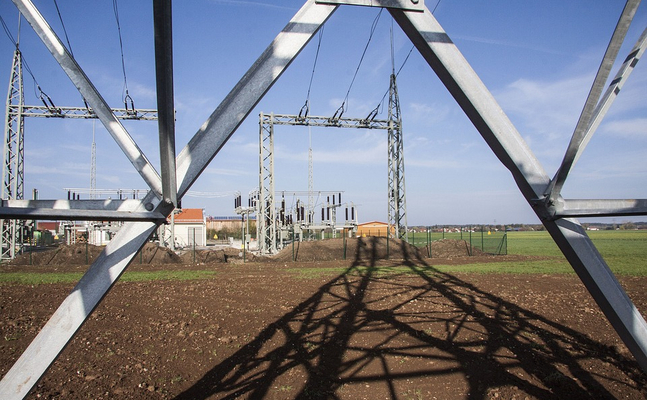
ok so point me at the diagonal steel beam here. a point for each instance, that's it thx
(224, 121)
(506, 143)
(76, 308)
(112, 262)
(578, 139)
(610, 95)
(91, 94)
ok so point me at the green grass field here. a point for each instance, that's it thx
(624, 251)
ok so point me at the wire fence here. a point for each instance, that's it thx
(479, 238)
(485, 238)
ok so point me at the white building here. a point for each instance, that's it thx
(190, 226)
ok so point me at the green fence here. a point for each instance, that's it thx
(484, 238)
(480, 238)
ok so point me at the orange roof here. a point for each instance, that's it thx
(373, 223)
(187, 215)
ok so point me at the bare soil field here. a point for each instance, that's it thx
(325, 327)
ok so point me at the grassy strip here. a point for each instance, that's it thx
(31, 278)
(552, 266)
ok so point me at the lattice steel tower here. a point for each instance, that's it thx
(14, 157)
(397, 193)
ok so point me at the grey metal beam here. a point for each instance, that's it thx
(80, 210)
(473, 97)
(410, 5)
(162, 17)
(75, 309)
(554, 189)
(609, 96)
(327, 122)
(600, 208)
(600, 281)
(480, 106)
(224, 121)
(90, 93)
(84, 113)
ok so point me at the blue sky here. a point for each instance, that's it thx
(537, 58)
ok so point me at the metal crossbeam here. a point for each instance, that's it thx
(266, 226)
(83, 113)
(80, 210)
(326, 122)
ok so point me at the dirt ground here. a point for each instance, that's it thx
(325, 327)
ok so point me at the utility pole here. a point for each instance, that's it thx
(397, 193)
(14, 157)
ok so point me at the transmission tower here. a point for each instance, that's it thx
(13, 176)
(14, 157)
(397, 192)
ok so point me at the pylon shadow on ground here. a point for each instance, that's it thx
(360, 326)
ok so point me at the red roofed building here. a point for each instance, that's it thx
(190, 227)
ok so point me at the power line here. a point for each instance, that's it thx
(126, 96)
(305, 110)
(342, 108)
(379, 106)
(60, 18)
(40, 93)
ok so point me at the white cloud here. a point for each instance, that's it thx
(630, 128)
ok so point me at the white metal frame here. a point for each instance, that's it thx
(462, 82)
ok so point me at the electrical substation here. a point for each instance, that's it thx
(283, 216)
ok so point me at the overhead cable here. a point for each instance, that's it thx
(128, 101)
(379, 106)
(67, 39)
(40, 93)
(342, 108)
(305, 110)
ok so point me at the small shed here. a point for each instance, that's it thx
(190, 227)
(373, 228)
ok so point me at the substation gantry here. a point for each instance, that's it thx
(14, 231)
(269, 235)
(543, 193)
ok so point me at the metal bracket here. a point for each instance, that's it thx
(408, 5)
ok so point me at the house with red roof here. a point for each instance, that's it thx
(189, 226)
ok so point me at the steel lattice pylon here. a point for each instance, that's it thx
(397, 193)
(266, 224)
(13, 176)
(14, 157)
(266, 220)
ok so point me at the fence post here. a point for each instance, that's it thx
(429, 242)
(470, 251)
(482, 246)
(292, 229)
(87, 240)
(344, 234)
(443, 231)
